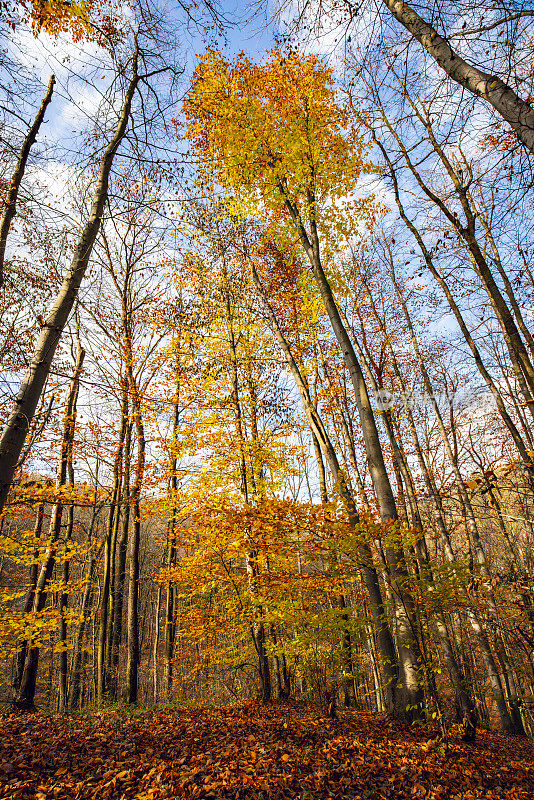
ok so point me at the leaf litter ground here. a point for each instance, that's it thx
(252, 751)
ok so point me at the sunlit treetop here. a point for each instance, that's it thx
(80, 19)
(276, 132)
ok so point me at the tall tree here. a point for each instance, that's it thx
(304, 161)
(15, 430)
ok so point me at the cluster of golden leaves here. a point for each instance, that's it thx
(275, 131)
(80, 19)
(292, 546)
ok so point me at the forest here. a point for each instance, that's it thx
(266, 399)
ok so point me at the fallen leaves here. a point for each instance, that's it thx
(275, 752)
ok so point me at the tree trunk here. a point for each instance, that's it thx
(132, 662)
(170, 625)
(251, 563)
(106, 606)
(10, 201)
(63, 700)
(78, 654)
(406, 630)
(25, 699)
(517, 112)
(115, 535)
(20, 658)
(120, 567)
(25, 403)
(369, 575)
(156, 647)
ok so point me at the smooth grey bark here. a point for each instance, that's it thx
(20, 658)
(512, 428)
(346, 427)
(25, 403)
(404, 606)
(512, 108)
(9, 208)
(70, 424)
(133, 650)
(386, 645)
(25, 698)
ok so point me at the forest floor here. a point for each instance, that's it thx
(255, 752)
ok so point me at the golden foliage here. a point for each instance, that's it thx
(277, 135)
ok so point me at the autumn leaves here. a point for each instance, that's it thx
(276, 137)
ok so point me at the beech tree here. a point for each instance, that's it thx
(10, 199)
(455, 48)
(304, 167)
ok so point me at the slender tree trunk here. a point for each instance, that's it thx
(156, 647)
(517, 112)
(132, 623)
(118, 470)
(512, 428)
(132, 663)
(404, 605)
(78, 654)
(510, 720)
(370, 578)
(63, 697)
(275, 671)
(348, 433)
(26, 695)
(121, 565)
(9, 206)
(170, 625)
(251, 562)
(25, 403)
(113, 582)
(133, 650)
(519, 356)
(20, 658)
(521, 324)
(320, 468)
(346, 643)
(106, 602)
(64, 598)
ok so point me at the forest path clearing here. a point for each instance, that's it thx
(252, 751)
